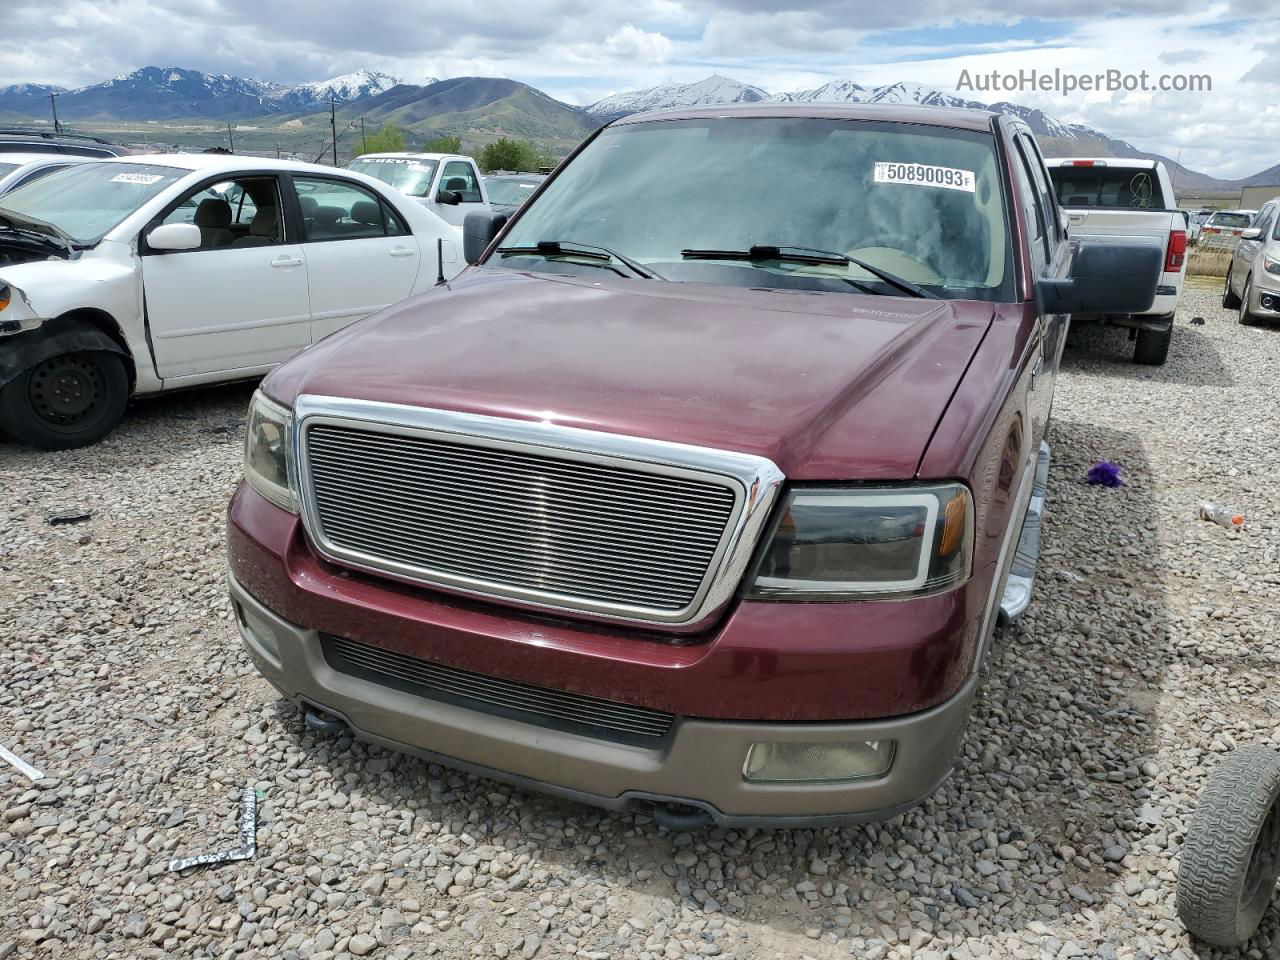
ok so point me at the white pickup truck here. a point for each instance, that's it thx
(449, 185)
(1130, 200)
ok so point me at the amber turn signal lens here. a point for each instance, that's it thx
(953, 526)
(5, 295)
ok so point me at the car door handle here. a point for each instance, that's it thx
(287, 262)
(402, 252)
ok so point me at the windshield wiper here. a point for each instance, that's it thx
(813, 257)
(587, 251)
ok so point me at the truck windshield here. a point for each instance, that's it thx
(924, 204)
(1110, 188)
(87, 200)
(406, 174)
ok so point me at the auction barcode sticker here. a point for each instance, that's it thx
(924, 175)
(146, 179)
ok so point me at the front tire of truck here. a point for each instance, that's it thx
(1152, 347)
(65, 401)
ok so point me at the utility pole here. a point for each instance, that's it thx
(277, 149)
(333, 126)
(53, 102)
(364, 144)
(231, 138)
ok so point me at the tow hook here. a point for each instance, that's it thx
(317, 721)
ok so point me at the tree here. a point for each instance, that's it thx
(504, 154)
(443, 144)
(389, 139)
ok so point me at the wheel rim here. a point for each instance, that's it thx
(64, 390)
(1263, 859)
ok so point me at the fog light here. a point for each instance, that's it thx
(818, 762)
(259, 630)
(1267, 302)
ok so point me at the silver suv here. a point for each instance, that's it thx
(1253, 276)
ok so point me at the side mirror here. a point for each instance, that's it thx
(1253, 233)
(172, 237)
(451, 197)
(478, 231)
(1105, 278)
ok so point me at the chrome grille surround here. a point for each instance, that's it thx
(355, 540)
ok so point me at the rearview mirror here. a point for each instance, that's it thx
(174, 237)
(478, 231)
(1253, 233)
(1105, 278)
(451, 197)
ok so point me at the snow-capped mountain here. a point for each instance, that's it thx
(718, 89)
(712, 90)
(154, 93)
(837, 91)
(24, 97)
(349, 86)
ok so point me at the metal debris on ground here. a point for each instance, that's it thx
(1197, 321)
(248, 838)
(24, 768)
(69, 515)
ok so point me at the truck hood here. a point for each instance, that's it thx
(830, 386)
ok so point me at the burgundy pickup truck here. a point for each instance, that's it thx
(701, 491)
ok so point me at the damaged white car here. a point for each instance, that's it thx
(140, 275)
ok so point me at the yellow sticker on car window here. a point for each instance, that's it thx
(924, 175)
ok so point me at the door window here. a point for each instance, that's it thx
(1048, 200)
(244, 212)
(460, 177)
(1031, 207)
(341, 210)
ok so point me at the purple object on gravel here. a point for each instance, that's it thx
(1106, 473)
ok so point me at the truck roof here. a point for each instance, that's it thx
(958, 117)
(411, 155)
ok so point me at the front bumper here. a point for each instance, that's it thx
(1264, 299)
(699, 763)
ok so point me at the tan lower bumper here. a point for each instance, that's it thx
(699, 764)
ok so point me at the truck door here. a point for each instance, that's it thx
(1046, 250)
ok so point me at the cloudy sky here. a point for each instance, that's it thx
(581, 50)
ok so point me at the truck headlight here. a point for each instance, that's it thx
(267, 455)
(863, 543)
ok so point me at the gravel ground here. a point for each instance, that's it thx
(1151, 647)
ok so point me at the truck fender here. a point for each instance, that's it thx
(65, 334)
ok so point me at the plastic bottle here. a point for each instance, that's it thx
(1221, 515)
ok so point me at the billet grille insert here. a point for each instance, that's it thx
(493, 694)
(503, 521)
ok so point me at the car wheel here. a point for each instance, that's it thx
(1246, 315)
(1229, 300)
(65, 401)
(1231, 855)
(1152, 347)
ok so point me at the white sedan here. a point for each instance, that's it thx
(19, 169)
(140, 275)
